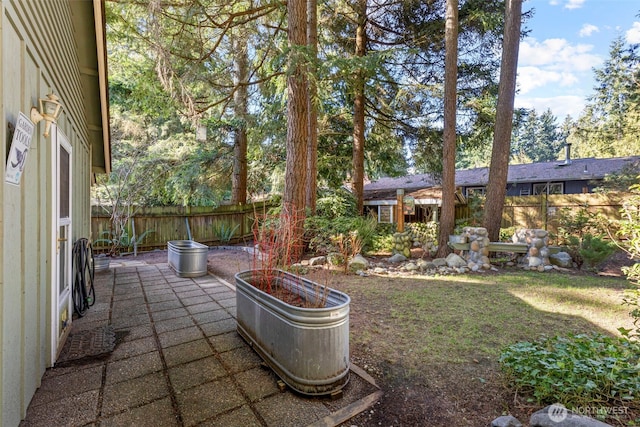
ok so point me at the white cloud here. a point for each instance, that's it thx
(561, 106)
(557, 55)
(587, 30)
(574, 4)
(530, 78)
(633, 35)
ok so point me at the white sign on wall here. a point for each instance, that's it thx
(19, 148)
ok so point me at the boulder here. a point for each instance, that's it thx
(318, 260)
(358, 262)
(561, 259)
(506, 421)
(394, 259)
(425, 265)
(557, 415)
(440, 262)
(455, 260)
(411, 267)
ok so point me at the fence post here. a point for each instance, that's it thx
(400, 209)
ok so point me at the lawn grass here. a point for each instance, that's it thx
(468, 317)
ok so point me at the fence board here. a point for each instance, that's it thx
(542, 211)
(170, 223)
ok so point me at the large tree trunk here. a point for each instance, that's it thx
(297, 124)
(240, 108)
(497, 185)
(312, 147)
(448, 212)
(358, 109)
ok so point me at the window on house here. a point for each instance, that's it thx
(385, 214)
(548, 188)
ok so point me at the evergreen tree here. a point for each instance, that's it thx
(609, 124)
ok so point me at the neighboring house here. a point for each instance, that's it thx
(48, 46)
(569, 176)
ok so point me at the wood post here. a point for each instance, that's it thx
(400, 210)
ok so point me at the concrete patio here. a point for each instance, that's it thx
(177, 361)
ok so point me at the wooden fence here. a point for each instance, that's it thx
(542, 211)
(170, 223)
(163, 224)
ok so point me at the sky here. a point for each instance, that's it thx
(567, 39)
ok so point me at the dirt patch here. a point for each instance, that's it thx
(458, 393)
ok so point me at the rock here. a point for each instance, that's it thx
(394, 259)
(318, 260)
(358, 262)
(541, 234)
(411, 267)
(506, 421)
(379, 270)
(561, 259)
(535, 261)
(557, 415)
(455, 260)
(440, 262)
(425, 265)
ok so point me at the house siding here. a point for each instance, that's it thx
(32, 65)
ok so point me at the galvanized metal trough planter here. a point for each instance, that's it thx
(308, 348)
(187, 258)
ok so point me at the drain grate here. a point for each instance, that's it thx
(88, 344)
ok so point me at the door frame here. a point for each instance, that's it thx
(61, 301)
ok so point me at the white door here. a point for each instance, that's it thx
(62, 309)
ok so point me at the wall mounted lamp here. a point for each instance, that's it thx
(49, 111)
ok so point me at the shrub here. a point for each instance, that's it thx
(506, 234)
(224, 232)
(575, 370)
(333, 204)
(630, 231)
(382, 243)
(593, 250)
(320, 231)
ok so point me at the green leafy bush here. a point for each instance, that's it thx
(321, 231)
(333, 204)
(593, 250)
(630, 232)
(382, 243)
(576, 370)
(506, 234)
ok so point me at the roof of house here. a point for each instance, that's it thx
(90, 35)
(559, 170)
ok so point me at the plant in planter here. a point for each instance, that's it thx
(298, 327)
